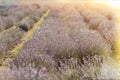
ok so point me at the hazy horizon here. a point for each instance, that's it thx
(18, 2)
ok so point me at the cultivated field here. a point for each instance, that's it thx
(63, 42)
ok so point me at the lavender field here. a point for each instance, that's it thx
(58, 42)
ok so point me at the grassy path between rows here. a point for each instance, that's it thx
(25, 38)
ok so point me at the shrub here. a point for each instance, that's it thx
(36, 16)
(26, 24)
(107, 30)
(89, 41)
(19, 14)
